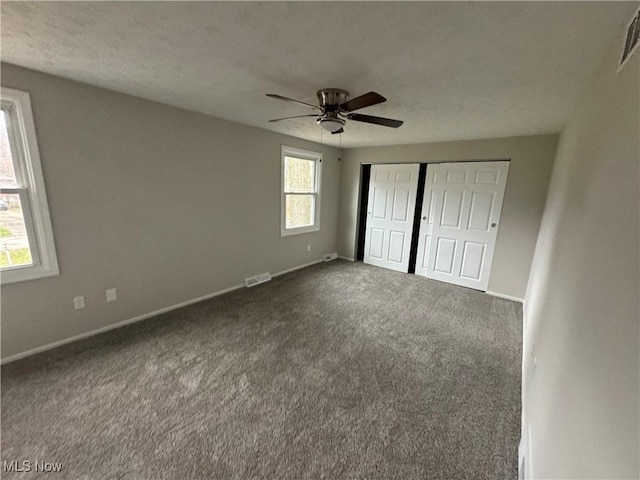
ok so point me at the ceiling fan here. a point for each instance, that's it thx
(335, 109)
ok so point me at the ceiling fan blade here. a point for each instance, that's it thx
(386, 122)
(296, 116)
(280, 97)
(338, 131)
(366, 100)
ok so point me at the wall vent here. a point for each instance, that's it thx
(630, 44)
(258, 279)
(330, 256)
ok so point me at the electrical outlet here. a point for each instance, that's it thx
(112, 295)
(308, 248)
(78, 303)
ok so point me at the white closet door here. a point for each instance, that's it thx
(459, 225)
(390, 211)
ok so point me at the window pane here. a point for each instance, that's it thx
(299, 210)
(7, 174)
(298, 175)
(14, 244)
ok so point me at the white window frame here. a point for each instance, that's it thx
(26, 159)
(305, 155)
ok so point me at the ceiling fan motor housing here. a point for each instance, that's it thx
(332, 97)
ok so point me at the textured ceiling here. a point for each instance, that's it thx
(450, 70)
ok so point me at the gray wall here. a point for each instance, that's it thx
(164, 204)
(581, 306)
(531, 162)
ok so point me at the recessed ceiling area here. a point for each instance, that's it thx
(450, 70)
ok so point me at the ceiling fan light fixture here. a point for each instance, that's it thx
(331, 124)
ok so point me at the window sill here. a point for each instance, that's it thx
(26, 273)
(297, 231)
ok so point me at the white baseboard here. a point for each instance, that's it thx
(139, 318)
(297, 268)
(350, 259)
(508, 297)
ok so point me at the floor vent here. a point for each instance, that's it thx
(258, 279)
(631, 39)
(330, 256)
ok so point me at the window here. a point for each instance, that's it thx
(27, 250)
(300, 206)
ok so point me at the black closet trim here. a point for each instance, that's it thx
(415, 236)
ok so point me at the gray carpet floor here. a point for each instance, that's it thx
(337, 371)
